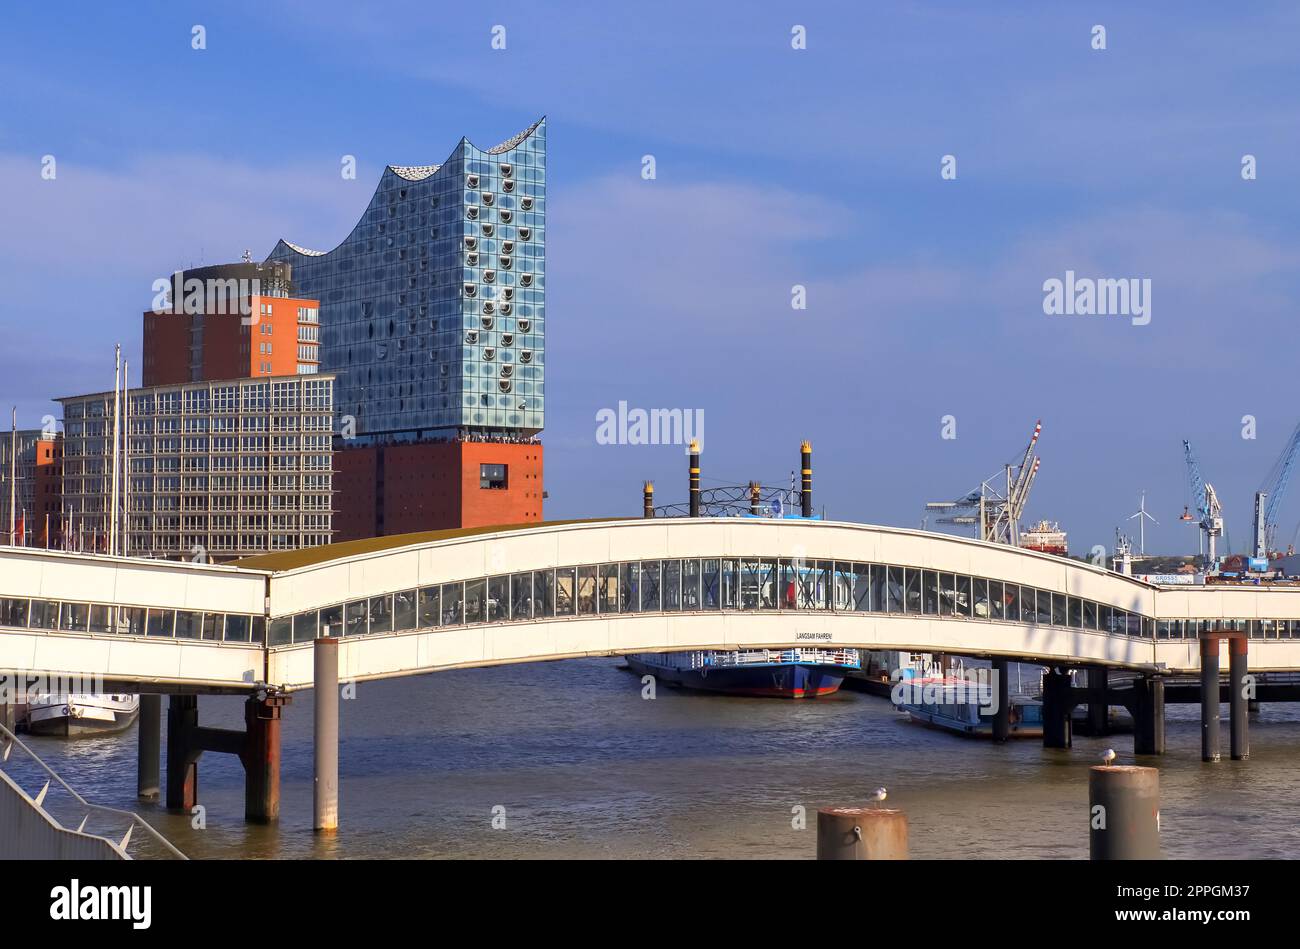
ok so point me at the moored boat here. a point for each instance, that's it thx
(782, 673)
(965, 706)
(71, 716)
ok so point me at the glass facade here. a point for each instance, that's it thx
(432, 311)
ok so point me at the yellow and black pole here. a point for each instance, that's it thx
(648, 500)
(805, 463)
(695, 477)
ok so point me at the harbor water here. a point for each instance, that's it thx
(567, 759)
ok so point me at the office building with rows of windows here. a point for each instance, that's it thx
(217, 469)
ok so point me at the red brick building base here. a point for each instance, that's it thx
(397, 489)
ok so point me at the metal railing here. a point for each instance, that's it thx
(134, 820)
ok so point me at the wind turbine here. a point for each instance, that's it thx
(1143, 517)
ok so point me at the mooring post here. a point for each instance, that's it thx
(148, 783)
(861, 833)
(182, 756)
(1098, 707)
(261, 757)
(1209, 698)
(1149, 716)
(1002, 715)
(325, 793)
(1238, 716)
(1123, 813)
(1058, 703)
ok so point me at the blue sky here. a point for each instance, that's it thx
(775, 167)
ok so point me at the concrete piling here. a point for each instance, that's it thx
(149, 749)
(1058, 703)
(1210, 698)
(1123, 813)
(325, 788)
(861, 833)
(1002, 716)
(1149, 716)
(1098, 709)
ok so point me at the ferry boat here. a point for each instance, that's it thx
(70, 716)
(803, 672)
(958, 705)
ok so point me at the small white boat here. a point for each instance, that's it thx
(965, 707)
(74, 715)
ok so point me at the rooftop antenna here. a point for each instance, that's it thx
(1142, 516)
(248, 255)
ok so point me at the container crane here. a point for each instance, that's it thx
(996, 513)
(1268, 501)
(1208, 508)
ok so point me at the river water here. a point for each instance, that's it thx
(575, 763)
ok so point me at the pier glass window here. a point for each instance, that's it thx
(74, 616)
(964, 602)
(564, 585)
(629, 590)
(690, 584)
(930, 592)
(498, 599)
(521, 596)
(758, 584)
(895, 599)
(1074, 610)
(430, 607)
(608, 598)
(281, 631)
(671, 584)
(863, 594)
(788, 593)
(237, 629)
(381, 613)
(354, 618)
(99, 619)
(188, 624)
(161, 623)
(1012, 600)
(730, 585)
(712, 581)
(815, 591)
(650, 599)
(947, 594)
(543, 593)
(912, 591)
(404, 610)
(475, 595)
(45, 614)
(586, 590)
(1162, 629)
(1089, 614)
(1058, 609)
(1104, 618)
(304, 626)
(13, 612)
(331, 620)
(453, 604)
(131, 620)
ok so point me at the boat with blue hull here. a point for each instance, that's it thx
(781, 673)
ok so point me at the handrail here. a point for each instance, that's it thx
(100, 808)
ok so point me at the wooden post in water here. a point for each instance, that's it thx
(1123, 813)
(861, 833)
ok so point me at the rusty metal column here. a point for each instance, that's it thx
(1239, 742)
(148, 783)
(1209, 698)
(1123, 813)
(182, 757)
(861, 833)
(261, 757)
(325, 740)
(647, 501)
(1002, 715)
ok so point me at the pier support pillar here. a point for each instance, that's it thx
(861, 833)
(1148, 716)
(148, 784)
(9, 716)
(1098, 709)
(325, 788)
(1123, 813)
(1238, 717)
(1002, 716)
(1210, 698)
(1058, 703)
(182, 756)
(261, 758)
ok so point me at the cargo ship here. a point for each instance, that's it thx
(780, 673)
(1046, 536)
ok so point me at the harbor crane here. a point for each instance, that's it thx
(1208, 508)
(995, 512)
(1268, 501)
